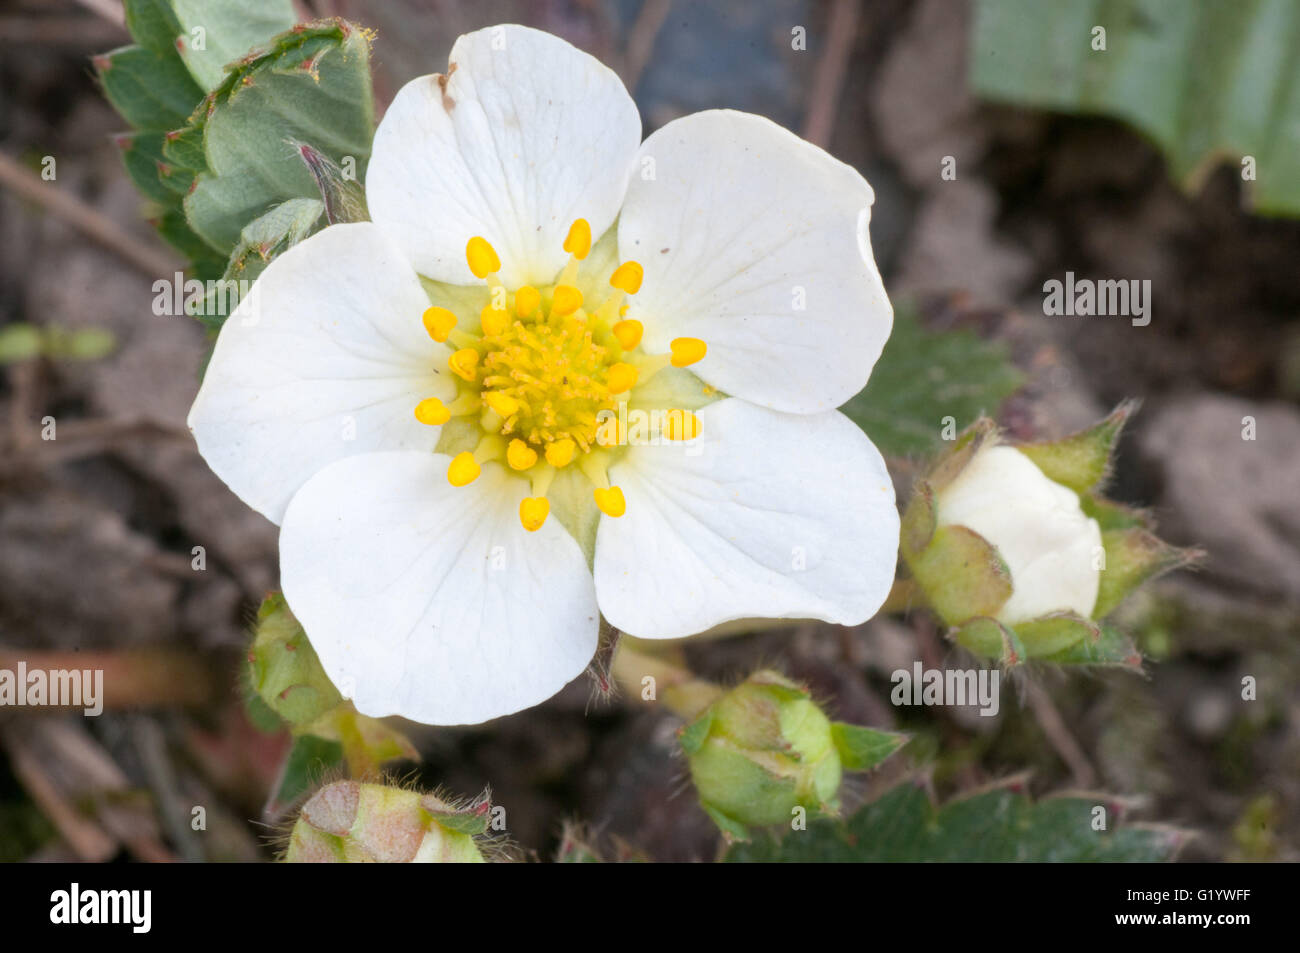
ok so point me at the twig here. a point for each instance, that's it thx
(110, 10)
(76, 32)
(90, 842)
(641, 39)
(823, 102)
(1053, 725)
(99, 228)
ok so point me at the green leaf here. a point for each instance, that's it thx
(1205, 81)
(311, 88)
(261, 241)
(998, 825)
(214, 35)
(142, 154)
(923, 377)
(151, 90)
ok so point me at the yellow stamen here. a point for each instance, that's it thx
(519, 455)
(432, 411)
(560, 453)
(686, 351)
(439, 322)
(681, 425)
(622, 377)
(533, 512)
(494, 321)
(463, 363)
(565, 300)
(482, 257)
(578, 243)
(627, 277)
(610, 500)
(527, 299)
(464, 469)
(542, 477)
(628, 333)
(503, 404)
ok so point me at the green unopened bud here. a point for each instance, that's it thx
(764, 749)
(1014, 548)
(353, 822)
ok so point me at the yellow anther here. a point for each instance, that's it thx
(439, 322)
(527, 299)
(578, 244)
(560, 453)
(622, 377)
(628, 333)
(681, 425)
(432, 411)
(503, 404)
(494, 321)
(533, 511)
(519, 455)
(610, 500)
(482, 257)
(627, 277)
(463, 363)
(566, 299)
(686, 351)
(464, 469)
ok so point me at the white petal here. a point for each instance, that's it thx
(757, 242)
(764, 514)
(528, 135)
(431, 601)
(326, 357)
(1048, 543)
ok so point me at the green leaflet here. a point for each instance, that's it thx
(998, 825)
(1206, 81)
(923, 377)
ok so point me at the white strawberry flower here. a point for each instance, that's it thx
(444, 408)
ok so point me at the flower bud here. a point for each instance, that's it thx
(764, 749)
(353, 822)
(1017, 551)
(1049, 547)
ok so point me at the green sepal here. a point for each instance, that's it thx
(1111, 647)
(1082, 461)
(962, 574)
(1112, 515)
(989, 638)
(692, 736)
(860, 748)
(1134, 556)
(919, 520)
(968, 443)
(310, 760)
(732, 830)
(1055, 633)
(473, 821)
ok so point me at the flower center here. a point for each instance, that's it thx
(546, 375)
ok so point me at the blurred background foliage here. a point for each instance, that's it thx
(1115, 163)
